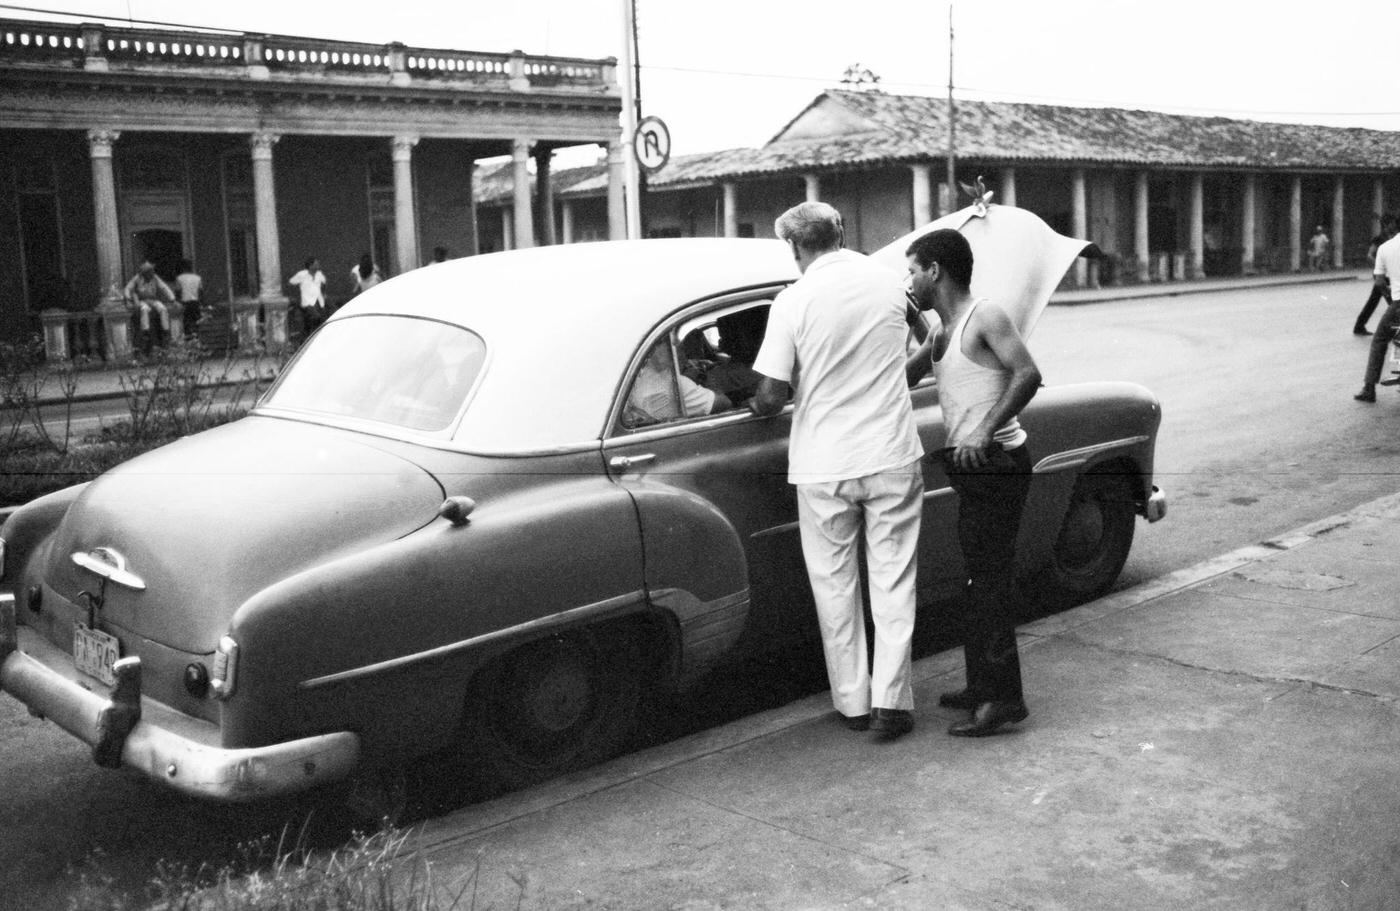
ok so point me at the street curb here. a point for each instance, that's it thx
(1070, 299)
(472, 821)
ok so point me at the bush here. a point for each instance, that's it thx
(370, 873)
(177, 391)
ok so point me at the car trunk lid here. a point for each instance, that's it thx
(199, 526)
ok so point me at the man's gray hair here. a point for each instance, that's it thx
(813, 226)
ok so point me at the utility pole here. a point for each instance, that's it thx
(629, 118)
(952, 124)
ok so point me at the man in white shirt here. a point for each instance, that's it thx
(653, 398)
(1386, 271)
(311, 282)
(838, 335)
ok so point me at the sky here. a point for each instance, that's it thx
(730, 73)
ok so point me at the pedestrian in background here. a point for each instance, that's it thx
(365, 275)
(145, 292)
(311, 283)
(1379, 288)
(1384, 273)
(985, 377)
(1318, 245)
(439, 255)
(190, 288)
(838, 334)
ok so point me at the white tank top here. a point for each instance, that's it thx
(967, 391)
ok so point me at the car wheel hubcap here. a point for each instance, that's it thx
(560, 697)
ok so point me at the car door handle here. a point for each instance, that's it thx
(622, 463)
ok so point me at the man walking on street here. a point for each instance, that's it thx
(1387, 268)
(838, 335)
(985, 377)
(1379, 288)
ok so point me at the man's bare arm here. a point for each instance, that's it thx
(769, 398)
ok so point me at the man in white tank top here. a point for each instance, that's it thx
(985, 377)
(838, 335)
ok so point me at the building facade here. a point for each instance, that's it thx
(248, 154)
(1165, 197)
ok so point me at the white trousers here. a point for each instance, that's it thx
(831, 515)
(146, 307)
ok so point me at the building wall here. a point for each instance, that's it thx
(444, 198)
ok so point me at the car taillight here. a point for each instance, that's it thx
(225, 676)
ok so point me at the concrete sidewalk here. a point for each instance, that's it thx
(1223, 737)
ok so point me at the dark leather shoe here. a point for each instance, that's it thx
(1367, 394)
(891, 722)
(988, 717)
(962, 699)
(1360, 330)
(855, 722)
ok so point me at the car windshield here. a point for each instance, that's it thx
(407, 372)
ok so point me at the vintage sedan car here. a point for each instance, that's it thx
(454, 527)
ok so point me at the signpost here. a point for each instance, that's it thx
(651, 143)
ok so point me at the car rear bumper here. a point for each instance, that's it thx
(123, 728)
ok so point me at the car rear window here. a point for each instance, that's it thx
(403, 371)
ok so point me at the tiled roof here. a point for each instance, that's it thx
(912, 127)
(876, 128)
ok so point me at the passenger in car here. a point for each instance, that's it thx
(740, 335)
(653, 397)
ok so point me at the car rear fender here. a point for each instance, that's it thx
(385, 641)
(28, 528)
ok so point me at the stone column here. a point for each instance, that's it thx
(923, 194)
(1295, 225)
(520, 173)
(116, 319)
(544, 193)
(1338, 221)
(731, 209)
(473, 234)
(507, 228)
(617, 188)
(1140, 238)
(1377, 205)
(1079, 219)
(1248, 222)
(270, 297)
(405, 222)
(814, 187)
(566, 210)
(1008, 187)
(1198, 229)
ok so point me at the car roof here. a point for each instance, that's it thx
(562, 322)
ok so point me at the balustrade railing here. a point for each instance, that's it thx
(103, 47)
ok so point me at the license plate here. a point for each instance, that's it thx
(94, 652)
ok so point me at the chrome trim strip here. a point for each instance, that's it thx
(1073, 458)
(940, 492)
(112, 569)
(445, 651)
(186, 761)
(775, 530)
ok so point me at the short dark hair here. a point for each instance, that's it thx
(306, 263)
(185, 266)
(949, 249)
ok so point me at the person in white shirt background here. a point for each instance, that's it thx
(311, 282)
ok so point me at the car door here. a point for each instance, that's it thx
(718, 518)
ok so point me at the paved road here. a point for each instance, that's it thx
(1260, 436)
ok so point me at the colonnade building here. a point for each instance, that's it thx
(1166, 197)
(248, 154)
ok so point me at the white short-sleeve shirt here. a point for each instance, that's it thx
(1388, 260)
(838, 335)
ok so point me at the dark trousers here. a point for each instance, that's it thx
(1380, 343)
(1377, 292)
(990, 502)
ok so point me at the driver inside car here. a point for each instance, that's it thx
(653, 397)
